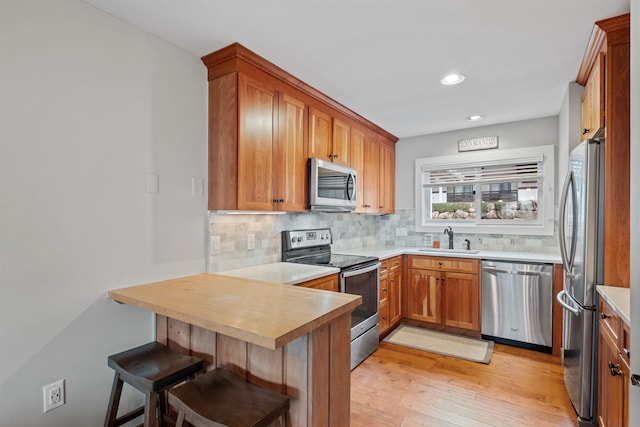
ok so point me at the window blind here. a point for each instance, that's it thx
(520, 170)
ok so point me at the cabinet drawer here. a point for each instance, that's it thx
(384, 266)
(609, 320)
(328, 283)
(395, 263)
(461, 265)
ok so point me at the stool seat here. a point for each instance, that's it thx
(151, 368)
(221, 397)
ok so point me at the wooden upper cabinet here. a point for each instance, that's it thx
(320, 130)
(264, 124)
(593, 108)
(290, 157)
(371, 175)
(256, 112)
(356, 154)
(386, 195)
(341, 137)
(328, 137)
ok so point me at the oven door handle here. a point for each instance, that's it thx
(356, 271)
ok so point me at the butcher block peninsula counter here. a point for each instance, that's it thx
(290, 339)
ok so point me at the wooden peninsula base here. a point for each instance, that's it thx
(289, 339)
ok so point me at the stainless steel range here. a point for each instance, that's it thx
(359, 275)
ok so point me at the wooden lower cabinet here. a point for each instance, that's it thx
(327, 283)
(390, 293)
(444, 291)
(613, 369)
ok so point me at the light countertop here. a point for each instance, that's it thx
(286, 273)
(386, 252)
(266, 314)
(619, 299)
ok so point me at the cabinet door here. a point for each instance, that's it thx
(319, 134)
(593, 100)
(257, 109)
(340, 146)
(394, 297)
(371, 175)
(384, 317)
(424, 295)
(461, 300)
(387, 178)
(610, 387)
(356, 157)
(290, 159)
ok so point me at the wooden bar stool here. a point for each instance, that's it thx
(151, 368)
(221, 397)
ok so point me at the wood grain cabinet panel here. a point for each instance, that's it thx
(341, 137)
(320, 134)
(390, 293)
(613, 368)
(370, 175)
(290, 160)
(386, 192)
(328, 283)
(444, 291)
(257, 109)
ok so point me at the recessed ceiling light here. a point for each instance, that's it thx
(452, 79)
(475, 118)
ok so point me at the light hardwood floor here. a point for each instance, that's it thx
(398, 386)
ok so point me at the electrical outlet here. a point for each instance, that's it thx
(215, 245)
(251, 241)
(53, 395)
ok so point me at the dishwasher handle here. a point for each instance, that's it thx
(518, 272)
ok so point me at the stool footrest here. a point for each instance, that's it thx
(129, 416)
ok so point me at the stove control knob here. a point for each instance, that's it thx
(293, 240)
(299, 238)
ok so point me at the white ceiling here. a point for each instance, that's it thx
(384, 58)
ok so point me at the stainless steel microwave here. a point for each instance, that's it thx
(332, 187)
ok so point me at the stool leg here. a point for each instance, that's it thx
(114, 401)
(151, 416)
(180, 419)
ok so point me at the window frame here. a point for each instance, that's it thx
(543, 226)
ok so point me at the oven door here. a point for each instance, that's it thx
(363, 281)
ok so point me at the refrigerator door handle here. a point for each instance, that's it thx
(561, 299)
(568, 257)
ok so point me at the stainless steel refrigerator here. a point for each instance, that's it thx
(580, 232)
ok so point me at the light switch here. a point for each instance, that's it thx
(153, 183)
(197, 186)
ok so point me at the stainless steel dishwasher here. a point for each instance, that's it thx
(517, 302)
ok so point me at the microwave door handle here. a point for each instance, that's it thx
(352, 178)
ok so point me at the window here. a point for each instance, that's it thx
(506, 191)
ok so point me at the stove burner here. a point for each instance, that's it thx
(313, 247)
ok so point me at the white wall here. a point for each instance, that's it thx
(88, 107)
(525, 133)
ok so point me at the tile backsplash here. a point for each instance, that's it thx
(350, 231)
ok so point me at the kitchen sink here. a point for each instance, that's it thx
(448, 251)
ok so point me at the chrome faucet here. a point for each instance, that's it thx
(449, 231)
(468, 242)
